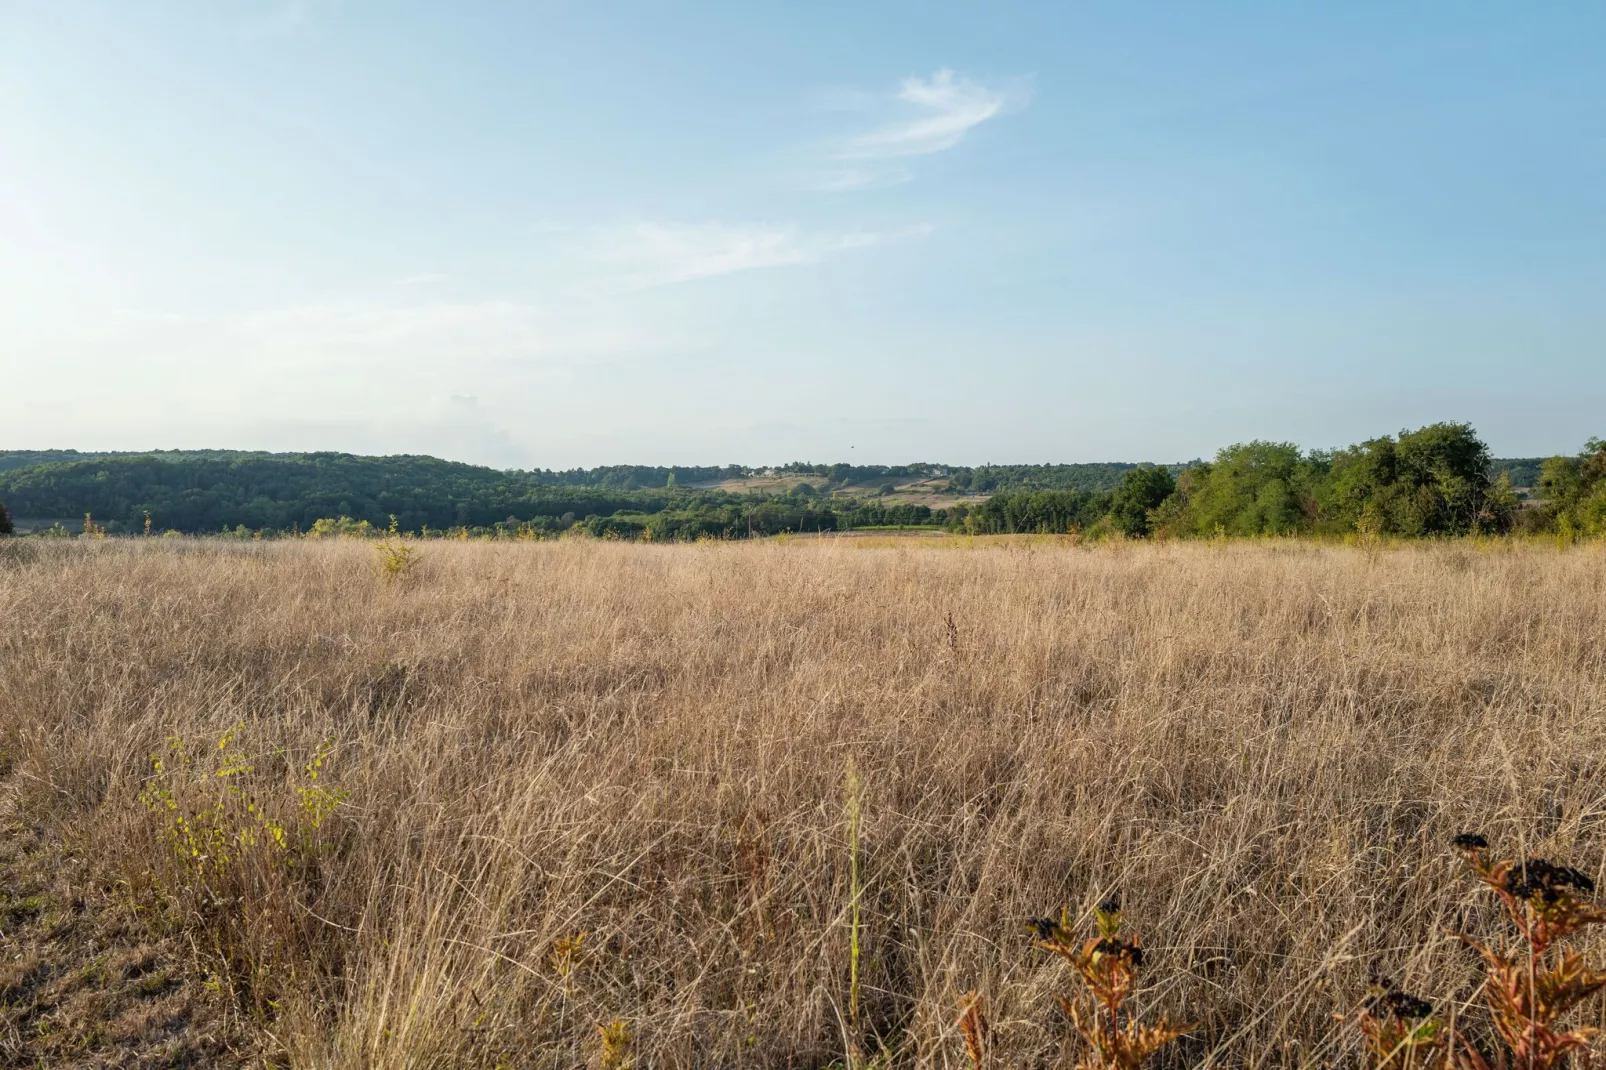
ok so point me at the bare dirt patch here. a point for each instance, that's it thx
(84, 982)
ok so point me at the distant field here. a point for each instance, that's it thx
(933, 492)
(462, 818)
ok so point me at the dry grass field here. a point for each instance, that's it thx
(463, 818)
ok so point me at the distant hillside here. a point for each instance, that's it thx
(1524, 471)
(994, 478)
(206, 492)
(209, 490)
(10, 459)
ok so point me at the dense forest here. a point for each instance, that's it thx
(1437, 480)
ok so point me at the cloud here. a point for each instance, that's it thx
(487, 327)
(852, 179)
(422, 278)
(457, 427)
(437, 334)
(864, 239)
(654, 254)
(660, 254)
(472, 380)
(462, 428)
(949, 107)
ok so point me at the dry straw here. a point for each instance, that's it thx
(584, 804)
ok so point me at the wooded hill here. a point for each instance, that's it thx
(1437, 480)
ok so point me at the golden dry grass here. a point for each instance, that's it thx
(1264, 748)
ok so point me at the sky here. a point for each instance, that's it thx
(572, 234)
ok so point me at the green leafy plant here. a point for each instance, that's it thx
(215, 811)
(564, 958)
(317, 801)
(209, 820)
(397, 556)
(615, 1045)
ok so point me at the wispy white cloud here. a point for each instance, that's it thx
(852, 179)
(659, 254)
(948, 107)
(454, 425)
(654, 254)
(376, 374)
(924, 116)
(432, 333)
(463, 427)
(864, 239)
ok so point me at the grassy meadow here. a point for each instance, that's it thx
(779, 803)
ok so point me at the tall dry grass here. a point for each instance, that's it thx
(602, 783)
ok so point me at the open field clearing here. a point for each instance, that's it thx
(464, 817)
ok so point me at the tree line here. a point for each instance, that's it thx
(1436, 480)
(290, 492)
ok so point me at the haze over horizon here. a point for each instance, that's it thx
(582, 236)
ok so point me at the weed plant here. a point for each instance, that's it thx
(1531, 984)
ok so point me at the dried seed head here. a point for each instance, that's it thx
(1386, 997)
(1120, 949)
(1538, 878)
(1580, 880)
(1404, 1005)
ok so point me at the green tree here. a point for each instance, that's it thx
(1044, 511)
(1359, 490)
(1174, 516)
(1255, 488)
(1574, 490)
(1445, 471)
(1431, 481)
(6, 527)
(1142, 490)
(1501, 505)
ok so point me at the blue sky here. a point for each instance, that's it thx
(570, 234)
